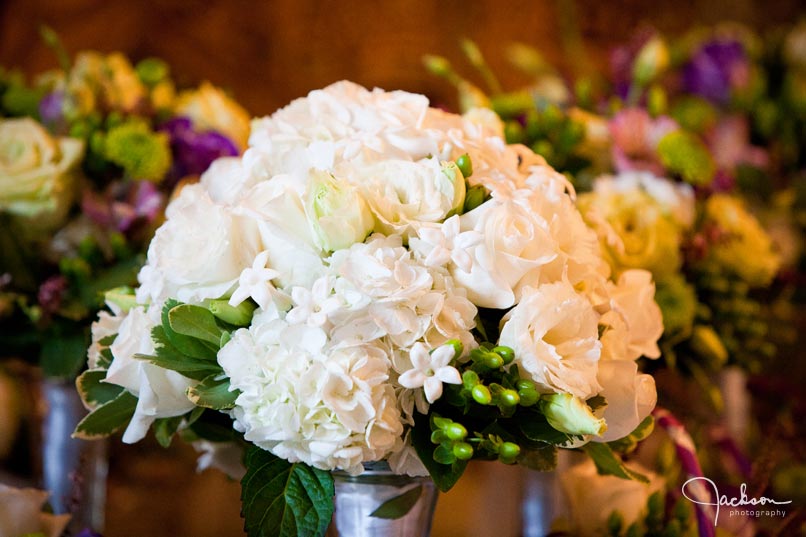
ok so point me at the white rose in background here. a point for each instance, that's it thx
(22, 514)
(515, 246)
(631, 396)
(160, 392)
(554, 333)
(209, 108)
(198, 252)
(634, 321)
(338, 215)
(593, 497)
(37, 172)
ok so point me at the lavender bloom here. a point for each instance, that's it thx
(51, 111)
(194, 151)
(716, 68)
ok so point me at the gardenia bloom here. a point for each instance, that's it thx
(430, 370)
(37, 171)
(554, 333)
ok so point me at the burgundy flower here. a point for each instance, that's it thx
(51, 293)
(123, 204)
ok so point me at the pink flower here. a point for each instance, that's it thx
(635, 140)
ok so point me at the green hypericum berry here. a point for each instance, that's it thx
(152, 71)
(474, 197)
(493, 360)
(465, 165)
(458, 348)
(529, 397)
(456, 431)
(469, 379)
(509, 398)
(481, 394)
(506, 353)
(508, 452)
(463, 451)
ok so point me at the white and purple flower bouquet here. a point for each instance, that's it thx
(375, 280)
(89, 154)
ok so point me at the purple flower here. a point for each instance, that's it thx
(51, 111)
(194, 151)
(717, 67)
(123, 204)
(87, 532)
(623, 57)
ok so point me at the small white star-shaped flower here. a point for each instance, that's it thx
(255, 282)
(446, 243)
(430, 370)
(313, 306)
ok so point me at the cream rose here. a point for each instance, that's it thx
(634, 322)
(630, 397)
(593, 497)
(37, 171)
(554, 333)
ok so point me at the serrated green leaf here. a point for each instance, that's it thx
(195, 322)
(630, 442)
(607, 463)
(444, 475)
(165, 429)
(542, 458)
(281, 499)
(213, 392)
(186, 345)
(93, 390)
(399, 505)
(107, 418)
(169, 357)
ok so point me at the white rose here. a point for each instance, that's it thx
(37, 171)
(593, 497)
(401, 192)
(21, 514)
(634, 321)
(209, 108)
(338, 215)
(514, 247)
(554, 333)
(228, 178)
(276, 207)
(160, 392)
(631, 396)
(198, 252)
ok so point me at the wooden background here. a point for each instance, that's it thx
(269, 52)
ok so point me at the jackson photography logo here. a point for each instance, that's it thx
(697, 490)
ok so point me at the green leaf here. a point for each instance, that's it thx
(541, 458)
(399, 505)
(93, 390)
(63, 356)
(444, 475)
(607, 463)
(195, 322)
(630, 442)
(186, 345)
(213, 392)
(169, 357)
(107, 418)
(536, 428)
(165, 429)
(281, 499)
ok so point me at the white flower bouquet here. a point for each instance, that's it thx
(375, 280)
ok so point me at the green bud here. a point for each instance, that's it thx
(508, 452)
(152, 71)
(469, 379)
(656, 101)
(458, 348)
(474, 197)
(481, 394)
(438, 65)
(529, 397)
(706, 343)
(240, 315)
(463, 451)
(513, 132)
(456, 431)
(492, 360)
(569, 414)
(509, 398)
(544, 149)
(122, 297)
(652, 60)
(506, 353)
(440, 423)
(439, 436)
(74, 267)
(465, 165)
(524, 384)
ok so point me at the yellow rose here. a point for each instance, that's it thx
(110, 78)
(209, 108)
(741, 246)
(37, 171)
